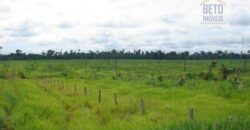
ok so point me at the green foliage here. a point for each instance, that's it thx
(224, 72)
(181, 81)
(212, 65)
(235, 81)
(4, 73)
(206, 76)
(160, 78)
(21, 75)
(121, 54)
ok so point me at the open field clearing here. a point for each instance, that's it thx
(129, 95)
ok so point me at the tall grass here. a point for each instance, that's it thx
(33, 103)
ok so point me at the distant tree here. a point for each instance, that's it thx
(113, 52)
(121, 54)
(248, 52)
(203, 54)
(185, 54)
(172, 55)
(108, 55)
(210, 55)
(43, 54)
(219, 54)
(160, 55)
(18, 52)
(50, 53)
(137, 53)
(196, 55)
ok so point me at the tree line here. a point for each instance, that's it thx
(122, 54)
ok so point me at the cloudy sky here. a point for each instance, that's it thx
(37, 25)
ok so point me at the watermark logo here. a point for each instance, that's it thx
(212, 12)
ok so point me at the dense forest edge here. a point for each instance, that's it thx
(121, 54)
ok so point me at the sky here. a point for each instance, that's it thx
(168, 25)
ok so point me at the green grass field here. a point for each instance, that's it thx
(50, 95)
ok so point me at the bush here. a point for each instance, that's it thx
(64, 74)
(206, 75)
(160, 78)
(235, 82)
(189, 75)
(212, 65)
(224, 71)
(181, 81)
(2, 75)
(119, 74)
(21, 75)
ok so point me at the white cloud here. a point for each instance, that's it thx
(35, 25)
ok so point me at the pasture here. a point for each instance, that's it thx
(129, 95)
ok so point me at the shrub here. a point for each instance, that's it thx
(119, 74)
(181, 81)
(235, 82)
(160, 78)
(64, 74)
(189, 75)
(212, 65)
(206, 75)
(21, 75)
(224, 71)
(2, 75)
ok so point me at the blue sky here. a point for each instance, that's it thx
(37, 25)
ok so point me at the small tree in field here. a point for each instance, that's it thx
(185, 55)
(212, 66)
(224, 72)
(115, 60)
(86, 65)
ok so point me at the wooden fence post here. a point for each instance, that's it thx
(115, 98)
(85, 91)
(142, 106)
(191, 114)
(100, 96)
(75, 89)
(62, 85)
